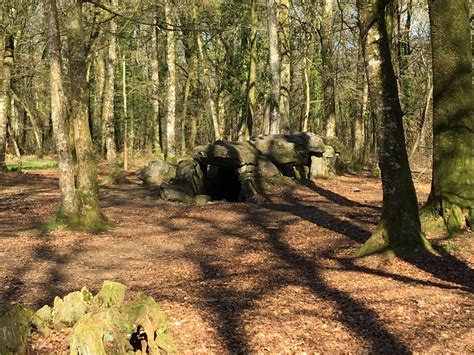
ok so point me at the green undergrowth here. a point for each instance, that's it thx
(29, 163)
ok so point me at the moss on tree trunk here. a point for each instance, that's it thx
(452, 190)
(89, 216)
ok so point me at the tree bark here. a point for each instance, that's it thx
(359, 119)
(307, 91)
(399, 226)
(99, 100)
(7, 66)
(247, 126)
(328, 73)
(452, 189)
(58, 116)
(187, 90)
(155, 93)
(275, 63)
(285, 68)
(109, 93)
(128, 126)
(170, 152)
(87, 192)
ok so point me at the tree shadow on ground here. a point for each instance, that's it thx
(15, 285)
(444, 266)
(353, 314)
(336, 198)
(228, 304)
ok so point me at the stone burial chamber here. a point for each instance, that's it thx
(243, 171)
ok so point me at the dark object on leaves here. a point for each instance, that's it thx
(139, 340)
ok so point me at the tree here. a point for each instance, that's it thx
(170, 151)
(109, 93)
(247, 126)
(399, 226)
(328, 73)
(275, 63)
(69, 205)
(87, 192)
(155, 91)
(6, 63)
(452, 189)
(285, 67)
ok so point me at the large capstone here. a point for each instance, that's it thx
(227, 154)
(157, 172)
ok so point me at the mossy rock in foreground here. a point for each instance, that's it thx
(16, 325)
(111, 294)
(105, 330)
(101, 324)
(66, 312)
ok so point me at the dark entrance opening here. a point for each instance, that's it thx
(223, 184)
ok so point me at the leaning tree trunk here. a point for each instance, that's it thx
(69, 206)
(275, 62)
(328, 73)
(399, 226)
(87, 192)
(452, 189)
(109, 93)
(6, 64)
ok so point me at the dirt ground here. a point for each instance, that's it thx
(243, 278)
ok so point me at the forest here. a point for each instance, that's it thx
(278, 175)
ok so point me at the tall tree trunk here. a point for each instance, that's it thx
(12, 129)
(247, 126)
(6, 71)
(155, 93)
(399, 226)
(205, 77)
(275, 63)
(187, 90)
(58, 116)
(328, 73)
(423, 120)
(99, 100)
(452, 189)
(128, 124)
(109, 93)
(87, 192)
(359, 119)
(285, 68)
(307, 91)
(170, 152)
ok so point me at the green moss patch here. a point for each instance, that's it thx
(100, 324)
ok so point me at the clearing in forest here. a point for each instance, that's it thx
(241, 277)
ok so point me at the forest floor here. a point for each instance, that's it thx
(242, 278)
